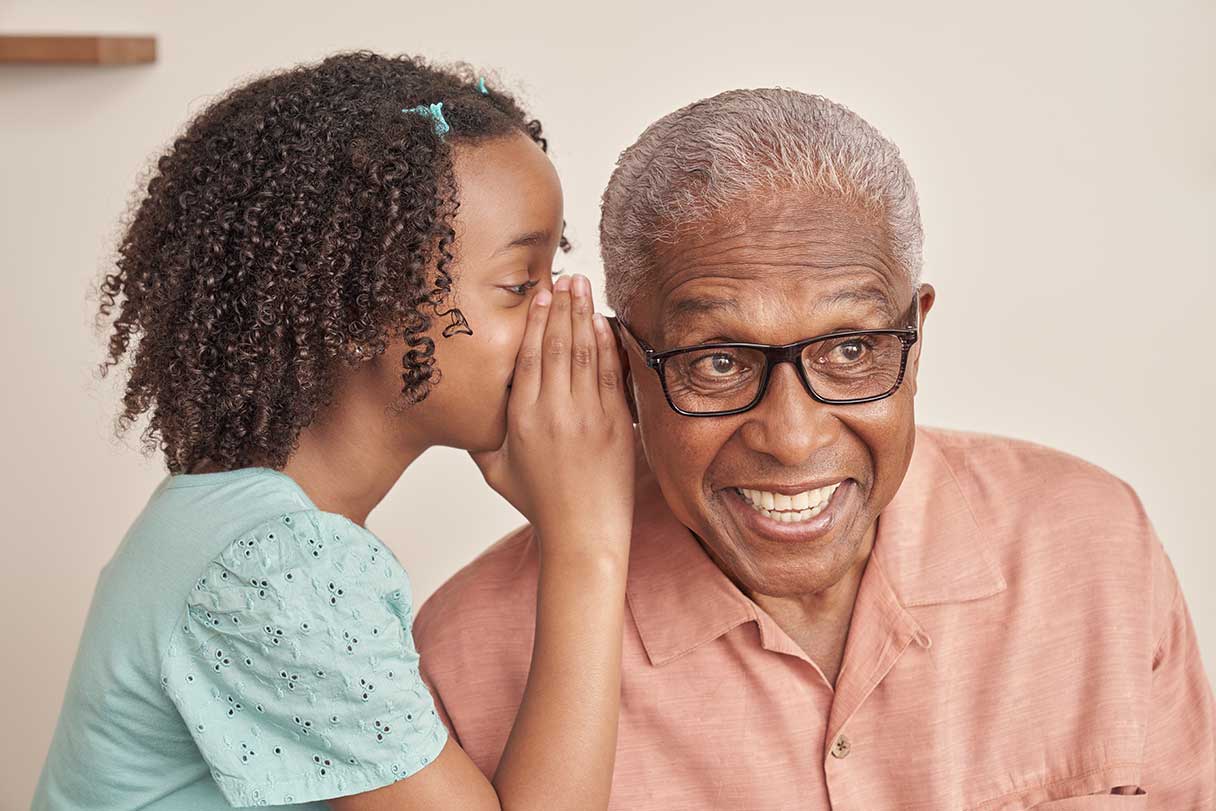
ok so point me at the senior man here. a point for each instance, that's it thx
(827, 605)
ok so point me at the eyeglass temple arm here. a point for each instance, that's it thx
(647, 350)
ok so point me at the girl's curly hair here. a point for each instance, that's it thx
(301, 221)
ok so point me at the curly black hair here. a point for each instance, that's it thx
(302, 221)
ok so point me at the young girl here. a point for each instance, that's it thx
(335, 268)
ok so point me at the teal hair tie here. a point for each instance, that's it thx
(481, 86)
(433, 112)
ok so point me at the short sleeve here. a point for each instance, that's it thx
(295, 669)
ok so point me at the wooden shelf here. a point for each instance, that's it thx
(53, 49)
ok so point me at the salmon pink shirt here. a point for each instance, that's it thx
(1019, 640)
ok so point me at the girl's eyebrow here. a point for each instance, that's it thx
(528, 240)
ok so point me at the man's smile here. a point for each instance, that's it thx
(791, 514)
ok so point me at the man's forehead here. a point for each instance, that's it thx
(740, 296)
(784, 218)
(841, 251)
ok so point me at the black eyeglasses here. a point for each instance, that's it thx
(840, 368)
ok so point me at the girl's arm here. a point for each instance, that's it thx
(561, 750)
(567, 465)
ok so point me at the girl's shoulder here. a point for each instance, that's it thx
(297, 562)
(309, 540)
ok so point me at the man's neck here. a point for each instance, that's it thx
(819, 622)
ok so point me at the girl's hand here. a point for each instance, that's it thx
(567, 461)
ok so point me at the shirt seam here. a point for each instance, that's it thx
(1108, 767)
(297, 492)
(175, 483)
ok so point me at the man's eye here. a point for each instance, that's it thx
(717, 364)
(852, 351)
(722, 364)
(849, 352)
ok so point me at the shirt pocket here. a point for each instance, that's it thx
(1097, 802)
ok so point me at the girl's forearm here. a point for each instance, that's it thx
(561, 750)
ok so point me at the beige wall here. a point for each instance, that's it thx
(1065, 158)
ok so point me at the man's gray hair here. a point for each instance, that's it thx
(695, 165)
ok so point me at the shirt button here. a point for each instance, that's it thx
(841, 748)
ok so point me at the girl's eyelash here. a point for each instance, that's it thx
(521, 289)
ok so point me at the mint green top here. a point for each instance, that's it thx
(242, 648)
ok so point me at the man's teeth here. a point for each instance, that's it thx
(789, 509)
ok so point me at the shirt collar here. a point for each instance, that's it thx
(929, 544)
(678, 596)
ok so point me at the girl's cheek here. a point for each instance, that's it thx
(503, 333)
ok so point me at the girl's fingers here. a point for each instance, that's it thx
(556, 346)
(525, 385)
(584, 368)
(611, 376)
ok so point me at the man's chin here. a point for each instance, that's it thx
(790, 578)
(760, 565)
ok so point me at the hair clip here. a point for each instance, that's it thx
(481, 86)
(433, 112)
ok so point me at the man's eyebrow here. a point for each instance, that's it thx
(528, 240)
(871, 296)
(697, 305)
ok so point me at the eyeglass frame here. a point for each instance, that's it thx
(775, 355)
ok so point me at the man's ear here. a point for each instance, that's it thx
(632, 403)
(626, 369)
(927, 295)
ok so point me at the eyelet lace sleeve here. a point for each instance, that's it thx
(294, 665)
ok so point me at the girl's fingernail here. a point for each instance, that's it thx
(582, 286)
(599, 322)
(543, 297)
(562, 284)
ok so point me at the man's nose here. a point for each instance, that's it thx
(788, 424)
